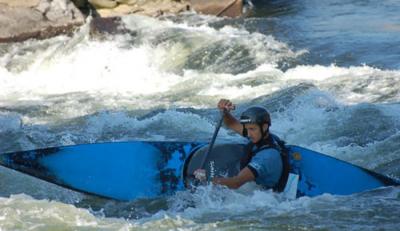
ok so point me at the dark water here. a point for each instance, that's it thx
(328, 71)
(345, 33)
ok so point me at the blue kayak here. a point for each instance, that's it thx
(142, 169)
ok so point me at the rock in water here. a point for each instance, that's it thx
(99, 4)
(24, 19)
(229, 8)
(152, 8)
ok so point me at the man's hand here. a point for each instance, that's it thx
(244, 176)
(226, 104)
(200, 174)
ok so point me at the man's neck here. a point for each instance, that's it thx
(263, 140)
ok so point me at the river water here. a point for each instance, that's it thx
(328, 71)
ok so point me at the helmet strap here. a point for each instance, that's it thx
(263, 133)
(244, 132)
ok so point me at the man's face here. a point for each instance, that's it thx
(254, 132)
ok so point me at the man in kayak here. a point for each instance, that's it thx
(265, 161)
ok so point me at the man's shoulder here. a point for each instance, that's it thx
(268, 153)
(268, 150)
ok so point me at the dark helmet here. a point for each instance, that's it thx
(255, 115)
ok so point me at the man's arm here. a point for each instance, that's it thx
(229, 119)
(244, 176)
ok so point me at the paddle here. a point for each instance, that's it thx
(212, 140)
(204, 158)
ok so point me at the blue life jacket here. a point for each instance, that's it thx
(272, 141)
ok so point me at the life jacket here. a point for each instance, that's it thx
(273, 142)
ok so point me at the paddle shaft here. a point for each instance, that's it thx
(212, 140)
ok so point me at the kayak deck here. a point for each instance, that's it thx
(142, 169)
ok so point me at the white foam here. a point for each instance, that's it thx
(224, 202)
(118, 68)
(21, 211)
(162, 126)
(97, 68)
(219, 203)
(117, 74)
(350, 85)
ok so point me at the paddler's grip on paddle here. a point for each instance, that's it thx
(226, 105)
(200, 174)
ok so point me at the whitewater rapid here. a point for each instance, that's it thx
(162, 81)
